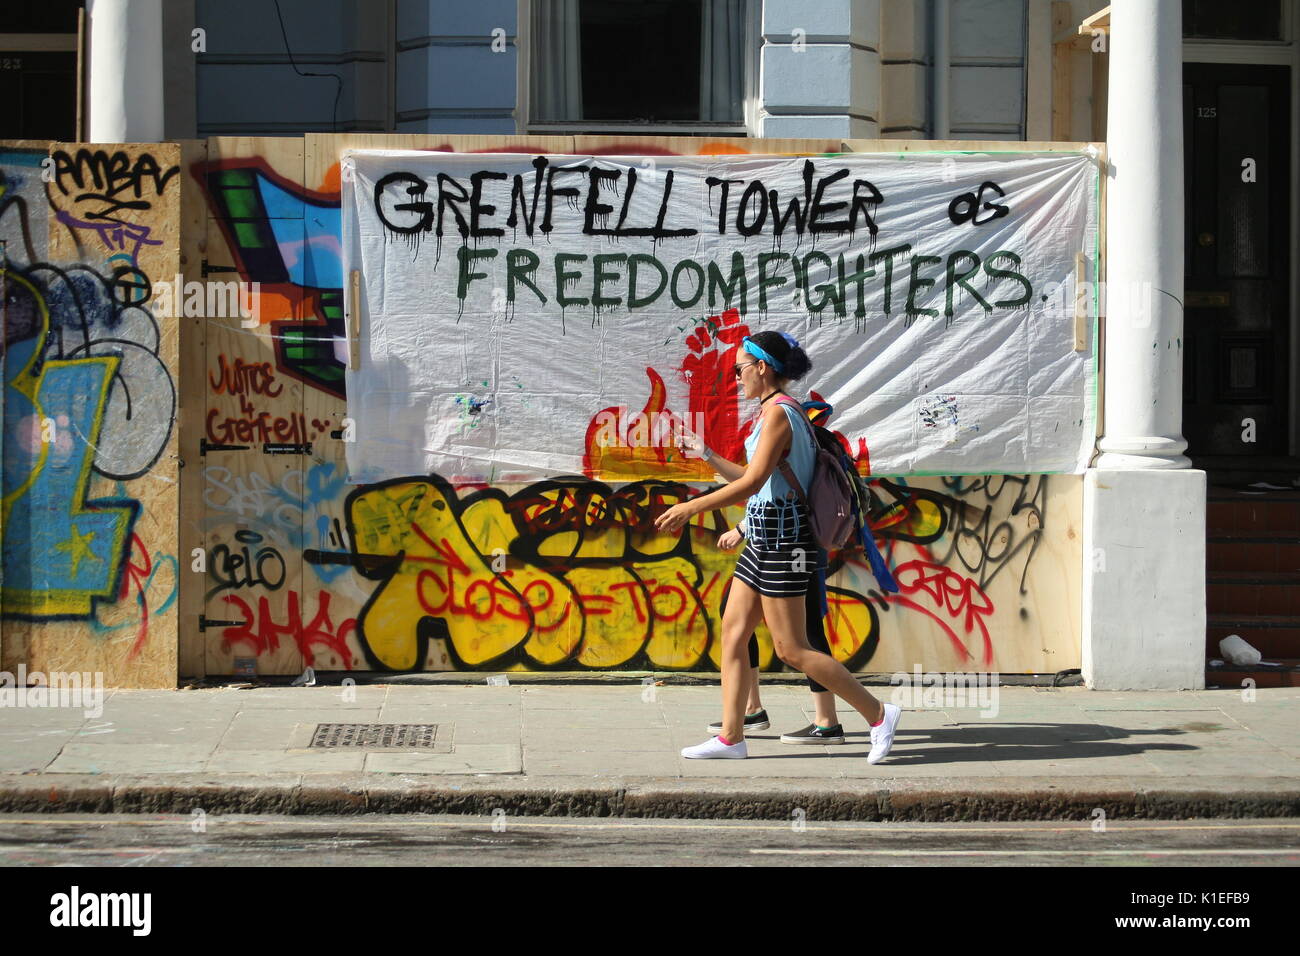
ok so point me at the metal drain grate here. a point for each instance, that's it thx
(378, 736)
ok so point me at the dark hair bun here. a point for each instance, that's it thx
(794, 360)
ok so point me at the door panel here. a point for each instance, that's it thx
(1236, 320)
(252, 494)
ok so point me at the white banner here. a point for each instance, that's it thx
(527, 316)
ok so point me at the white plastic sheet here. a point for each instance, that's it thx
(511, 328)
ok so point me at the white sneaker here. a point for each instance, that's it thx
(882, 735)
(714, 748)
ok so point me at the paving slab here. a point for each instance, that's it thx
(119, 758)
(623, 739)
(273, 761)
(31, 754)
(583, 748)
(468, 758)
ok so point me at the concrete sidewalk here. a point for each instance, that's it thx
(579, 749)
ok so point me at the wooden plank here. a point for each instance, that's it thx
(130, 638)
(323, 151)
(1034, 628)
(1062, 71)
(252, 501)
(81, 76)
(1098, 21)
(1038, 71)
(354, 320)
(1082, 300)
(280, 157)
(1099, 64)
(13, 649)
(191, 391)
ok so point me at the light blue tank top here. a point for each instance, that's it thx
(802, 458)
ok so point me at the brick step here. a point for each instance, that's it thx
(1232, 675)
(1288, 491)
(1277, 636)
(1255, 498)
(1267, 554)
(1236, 514)
(1250, 593)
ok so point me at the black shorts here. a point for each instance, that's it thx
(780, 556)
(778, 571)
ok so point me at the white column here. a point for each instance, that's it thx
(1143, 506)
(1144, 239)
(124, 79)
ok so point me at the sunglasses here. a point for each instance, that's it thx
(738, 366)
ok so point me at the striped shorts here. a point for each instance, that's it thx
(780, 556)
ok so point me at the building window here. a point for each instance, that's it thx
(48, 16)
(1216, 20)
(38, 71)
(618, 64)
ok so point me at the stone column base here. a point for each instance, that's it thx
(1144, 579)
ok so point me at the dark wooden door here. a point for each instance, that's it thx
(38, 91)
(1238, 183)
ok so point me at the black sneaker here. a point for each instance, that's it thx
(757, 721)
(812, 734)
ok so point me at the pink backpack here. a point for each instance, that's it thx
(830, 498)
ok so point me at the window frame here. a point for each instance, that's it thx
(747, 126)
(1287, 25)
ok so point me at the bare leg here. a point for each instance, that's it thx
(738, 621)
(785, 619)
(824, 702)
(754, 703)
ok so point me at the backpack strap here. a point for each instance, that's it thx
(786, 471)
(803, 416)
(789, 475)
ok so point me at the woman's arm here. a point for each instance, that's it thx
(727, 469)
(692, 445)
(767, 456)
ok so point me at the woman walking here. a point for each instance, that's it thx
(826, 727)
(780, 559)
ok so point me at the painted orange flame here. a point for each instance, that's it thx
(626, 446)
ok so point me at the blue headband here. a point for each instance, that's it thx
(757, 351)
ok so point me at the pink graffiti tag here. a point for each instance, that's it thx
(950, 592)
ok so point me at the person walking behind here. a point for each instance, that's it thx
(826, 727)
(774, 571)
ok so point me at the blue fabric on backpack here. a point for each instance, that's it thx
(884, 577)
(878, 567)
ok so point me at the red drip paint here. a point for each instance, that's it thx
(138, 576)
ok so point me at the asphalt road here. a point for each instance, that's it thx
(428, 840)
